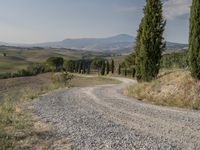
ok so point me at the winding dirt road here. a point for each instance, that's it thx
(102, 118)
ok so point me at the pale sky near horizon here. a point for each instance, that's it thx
(35, 21)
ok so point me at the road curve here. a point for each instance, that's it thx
(101, 118)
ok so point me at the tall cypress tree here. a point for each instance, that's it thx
(107, 67)
(112, 66)
(80, 67)
(125, 71)
(103, 68)
(76, 66)
(150, 42)
(133, 72)
(194, 39)
(119, 70)
(138, 57)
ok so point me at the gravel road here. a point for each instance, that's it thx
(93, 118)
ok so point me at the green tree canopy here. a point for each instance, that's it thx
(55, 62)
(149, 41)
(194, 39)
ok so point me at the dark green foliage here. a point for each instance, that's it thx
(103, 68)
(107, 67)
(112, 66)
(76, 66)
(125, 71)
(4, 54)
(138, 57)
(80, 66)
(119, 69)
(84, 69)
(56, 63)
(35, 69)
(88, 70)
(149, 41)
(97, 63)
(194, 40)
(130, 60)
(32, 70)
(70, 65)
(133, 72)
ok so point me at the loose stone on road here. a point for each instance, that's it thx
(102, 118)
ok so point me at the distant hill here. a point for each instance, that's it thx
(118, 43)
(114, 43)
(171, 45)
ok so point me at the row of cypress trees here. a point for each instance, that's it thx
(150, 42)
(77, 66)
(84, 66)
(106, 67)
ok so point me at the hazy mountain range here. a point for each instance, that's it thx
(122, 42)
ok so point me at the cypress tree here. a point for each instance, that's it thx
(80, 67)
(107, 67)
(103, 68)
(76, 66)
(150, 41)
(84, 68)
(194, 39)
(133, 72)
(119, 70)
(112, 66)
(138, 57)
(125, 71)
(88, 69)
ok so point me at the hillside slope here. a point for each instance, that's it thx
(172, 88)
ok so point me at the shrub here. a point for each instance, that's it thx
(61, 78)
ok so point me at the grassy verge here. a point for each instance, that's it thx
(83, 81)
(172, 88)
(19, 127)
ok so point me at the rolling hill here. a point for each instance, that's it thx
(120, 43)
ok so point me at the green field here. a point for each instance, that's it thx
(18, 58)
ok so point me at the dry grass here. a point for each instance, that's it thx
(81, 81)
(15, 86)
(19, 128)
(172, 88)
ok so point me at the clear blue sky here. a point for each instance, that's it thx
(30, 21)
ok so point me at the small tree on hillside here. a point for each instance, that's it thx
(112, 66)
(194, 39)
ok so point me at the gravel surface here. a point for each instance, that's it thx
(102, 118)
